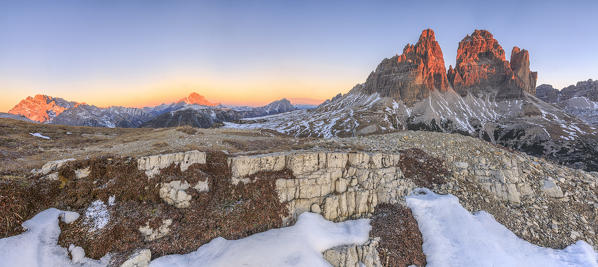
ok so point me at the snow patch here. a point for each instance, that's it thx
(299, 245)
(39, 135)
(454, 237)
(38, 245)
(97, 215)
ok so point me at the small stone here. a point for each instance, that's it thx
(202, 186)
(82, 173)
(461, 165)
(551, 189)
(140, 258)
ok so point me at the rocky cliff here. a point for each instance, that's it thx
(41, 108)
(481, 68)
(412, 75)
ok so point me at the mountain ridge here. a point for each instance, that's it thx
(53, 110)
(492, 100)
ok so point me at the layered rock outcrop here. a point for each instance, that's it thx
(412, 75)
(338, 185)
(153, 164)
(482, 68)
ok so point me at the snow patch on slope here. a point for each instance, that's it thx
(299, 245)
(454, 237)
(97, 215)
(38, 245)
(40, 135)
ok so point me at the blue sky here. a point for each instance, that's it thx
(145, 52)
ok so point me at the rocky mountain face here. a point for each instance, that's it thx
(547, 93)
(208, 117)
(486, 96)
(41, 108)
(197, 99)
(580, 100)
(88, 115)
(481, 68)
(195, 116)
(411, 76)
(14, 117)
(278, 106)
(194, 110)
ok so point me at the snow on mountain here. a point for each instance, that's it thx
(87, 115)
(15, 117)
(41, 108)
(210, 116)
(485, 96)
(580, 100)
(192, 110)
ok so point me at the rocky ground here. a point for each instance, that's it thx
(139, 200)
(542, 202)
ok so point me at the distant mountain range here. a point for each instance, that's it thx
(194, 110)
(484, 96)
(580, 100)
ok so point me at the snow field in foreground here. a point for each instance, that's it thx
(38, 245)
(299, 245)
(454, 237)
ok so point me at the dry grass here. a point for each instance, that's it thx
(21, 152)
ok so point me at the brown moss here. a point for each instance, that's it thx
(400, 239)
(230, 211)
(20, 200)
(423, 169)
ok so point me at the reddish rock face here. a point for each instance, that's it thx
(41, 108)
(412, 75)
(195, 98)
(520, 66)
(481, 68)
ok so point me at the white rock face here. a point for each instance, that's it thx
(202, 186)
(82, 173)
(49, 169)
(150, 234)
(174, 193)
(355, 255)
(140, 258)
(153, 164)
(69, 216)
(339, 185)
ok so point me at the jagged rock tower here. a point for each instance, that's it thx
(412, 75)
(481, 69)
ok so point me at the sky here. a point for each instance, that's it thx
(147, 52)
